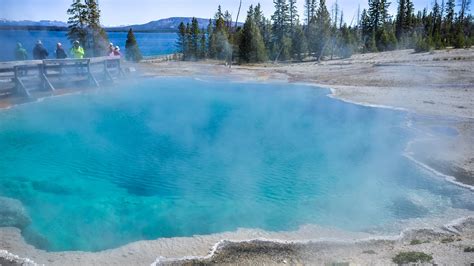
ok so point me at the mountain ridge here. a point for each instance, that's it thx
(165, 24)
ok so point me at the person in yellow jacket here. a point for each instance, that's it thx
(77, 51)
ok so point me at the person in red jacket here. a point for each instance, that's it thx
(117, 51)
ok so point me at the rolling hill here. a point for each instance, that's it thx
(161, 25)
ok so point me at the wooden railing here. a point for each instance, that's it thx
(44, 71)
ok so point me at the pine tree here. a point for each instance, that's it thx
(211, 41)
(310, 10)
(299, 45)
(280, 31)
(462, 36)
(281, 20)
(252, 47)
(97, 39)
(266, 31)
(77, 22)
(202, 45)
(334, 30)
(401, 19)
(181, 43)
(228, 20)
(380, 27)
(368, 36)
(258, 16)
(311, 34)
(435, 31)
(335, 14)
(219, 13)
(220, 47)
(84, 26)
(464, 7)
(293, 14)
(189, 53)
(348, 41)
(264, 26)
(194, 39)
(132, 51)
(409, 16)
(404, 23)
(449, 21)
(323, 26)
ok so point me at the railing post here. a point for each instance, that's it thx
(19, 86)
(43, 72)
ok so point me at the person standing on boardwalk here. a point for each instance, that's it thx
(60, 53)
(20, 52)
(77, 51)
(111, 51)
(117, 52)
(39, 52)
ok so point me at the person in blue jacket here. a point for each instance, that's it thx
(39, 52)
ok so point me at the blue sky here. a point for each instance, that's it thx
(123, 12)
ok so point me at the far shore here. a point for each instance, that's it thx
(435, 89)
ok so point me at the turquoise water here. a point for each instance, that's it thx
(178, 157)
(150, 43)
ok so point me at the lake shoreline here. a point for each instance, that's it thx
(445, 239)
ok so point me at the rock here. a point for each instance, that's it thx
(13, 214)
(8, 259)
(461, 225)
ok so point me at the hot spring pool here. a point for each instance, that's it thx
(178, 157)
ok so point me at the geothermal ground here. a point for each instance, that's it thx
(436, 88)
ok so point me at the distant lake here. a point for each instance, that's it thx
(151, 44)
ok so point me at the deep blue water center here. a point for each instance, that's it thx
(178, 157)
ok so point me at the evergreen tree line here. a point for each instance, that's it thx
(437, 28)
(324, 33)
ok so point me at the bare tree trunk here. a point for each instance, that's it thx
(238, 13)
(235, 29)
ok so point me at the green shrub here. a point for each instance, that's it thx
(468, 43)
(411, 257)
(416, 242)
(423, 45)
(447, 240)
(469, 249)
(459, 41)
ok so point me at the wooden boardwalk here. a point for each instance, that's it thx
(22, 77)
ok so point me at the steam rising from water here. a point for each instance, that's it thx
(178, 157)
